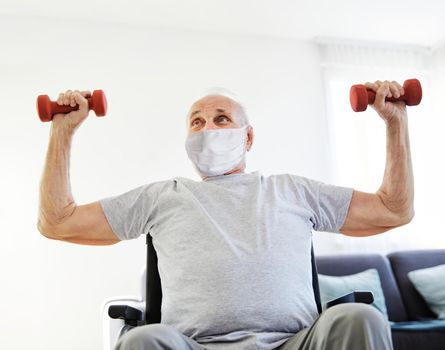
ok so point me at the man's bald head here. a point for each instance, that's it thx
(210, 107)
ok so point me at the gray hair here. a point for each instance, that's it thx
(242, 118)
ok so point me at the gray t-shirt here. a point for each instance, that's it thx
(233, 252)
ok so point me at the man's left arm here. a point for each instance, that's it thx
(392, 205)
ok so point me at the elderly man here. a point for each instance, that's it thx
(234, 249)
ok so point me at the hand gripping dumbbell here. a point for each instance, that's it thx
(360, 96)
(47, 108)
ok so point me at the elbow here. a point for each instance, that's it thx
(47, 231)
(44, 230)
(406, 217)
(400, 211)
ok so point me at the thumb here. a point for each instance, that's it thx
(380, 96)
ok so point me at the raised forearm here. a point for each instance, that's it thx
(56, 200)
(397, 189)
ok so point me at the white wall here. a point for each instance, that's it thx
(54, 290)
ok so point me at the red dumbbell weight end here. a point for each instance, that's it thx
(47, 108)
(360, 96)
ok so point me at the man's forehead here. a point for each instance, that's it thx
(219, 110)
(213, 103)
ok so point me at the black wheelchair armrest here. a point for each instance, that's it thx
(357, 296)
(129, 314)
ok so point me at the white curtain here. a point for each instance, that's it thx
(359, 140)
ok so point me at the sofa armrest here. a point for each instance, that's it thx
(357, 296)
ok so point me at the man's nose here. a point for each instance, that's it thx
(209, 125)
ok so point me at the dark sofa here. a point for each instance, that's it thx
(415, 327)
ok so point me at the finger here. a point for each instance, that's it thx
(386, 82)
(371, 86)
(66, 97)
(72, 99)
(399, 87)
(81, 101)
(86, 93)
(381, 93)
(393, 89)
(377, 84)
(60, 99)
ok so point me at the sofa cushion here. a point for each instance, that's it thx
(332, 287)
(430, 283)
(414, 326)
(410, 260)
(340, 265)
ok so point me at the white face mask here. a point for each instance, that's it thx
(217, 151)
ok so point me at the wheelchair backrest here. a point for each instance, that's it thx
(153, 296)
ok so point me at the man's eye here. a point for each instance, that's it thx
(195, 122)
(222, 117)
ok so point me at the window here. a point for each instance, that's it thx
(359, 139)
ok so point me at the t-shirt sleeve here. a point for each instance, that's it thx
(329, 204)
(132, 213)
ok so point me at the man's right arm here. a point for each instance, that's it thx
(59, 216)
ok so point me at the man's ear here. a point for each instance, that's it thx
(250, 137)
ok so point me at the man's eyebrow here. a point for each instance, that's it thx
(219, 110)
(195, 112)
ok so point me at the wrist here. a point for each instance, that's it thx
(61, 130)
(397, 123)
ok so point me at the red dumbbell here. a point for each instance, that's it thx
(360, 96)
(47, 108)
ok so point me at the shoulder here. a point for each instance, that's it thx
(169, 185)
(151, 189)
(295, 181)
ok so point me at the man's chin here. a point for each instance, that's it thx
(237, 170)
